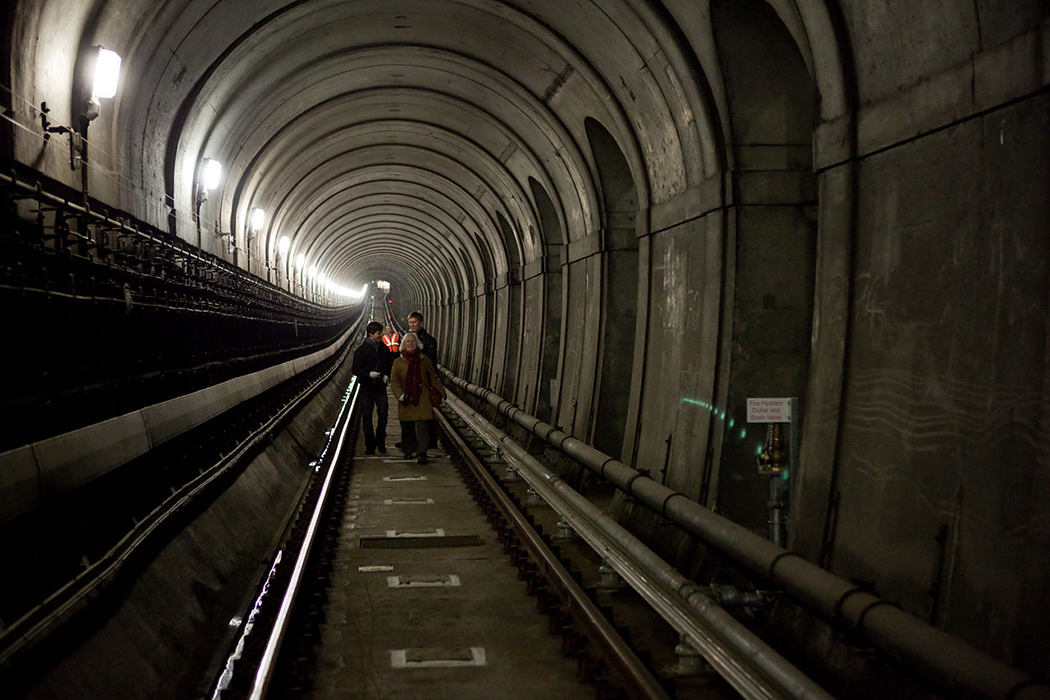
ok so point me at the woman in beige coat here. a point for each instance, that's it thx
(411, 378)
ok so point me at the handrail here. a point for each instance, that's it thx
(267, 665)
(933, 654)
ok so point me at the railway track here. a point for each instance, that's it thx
(480, 574)
(469, 577)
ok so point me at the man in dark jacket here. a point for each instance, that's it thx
(371, 366)
(429, 346)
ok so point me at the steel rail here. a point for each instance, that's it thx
(947, 661)
(268, 663)
(630, 669)
(747, 663)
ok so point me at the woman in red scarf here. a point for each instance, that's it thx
(411, 378)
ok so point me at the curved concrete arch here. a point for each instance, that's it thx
(274, 23)
(533, 130)
(504, 139)
(502, 189)
(419, 233)
(446, 175)
(489, 87)
(506, 195)
(326, 246)
(513, 178)
(394, 249)
(307, 198)
(444, 190)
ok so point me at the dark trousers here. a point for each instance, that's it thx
(432, 431)
(370, 399)
(415, 436)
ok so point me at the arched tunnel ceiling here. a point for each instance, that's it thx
(377, 135)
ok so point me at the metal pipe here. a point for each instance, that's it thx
(264, 674)
(714, 632)
(941, 658)
(637, 675)
(777, 522)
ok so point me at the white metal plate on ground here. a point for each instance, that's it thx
(438, 532)
(437, 658)
(422, 581)
(373, 569)
(404, 478)
(409, 502)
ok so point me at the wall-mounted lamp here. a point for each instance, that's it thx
(210, 173)
(256, 221)
(300, 261)
(104, 71)
(106, 75)
(283, 244)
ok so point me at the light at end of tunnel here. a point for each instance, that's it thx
(258, 218)
(107, 74)
(211, 172)
(283, 245)
(300, 261)
(341, 291)
(785, 475)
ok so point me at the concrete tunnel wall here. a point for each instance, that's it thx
(648, 211)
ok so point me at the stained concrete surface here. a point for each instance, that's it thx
(366, 619)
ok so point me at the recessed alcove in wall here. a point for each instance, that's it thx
(773, 230)
(620, 289)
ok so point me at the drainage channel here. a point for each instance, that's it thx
(125, 519)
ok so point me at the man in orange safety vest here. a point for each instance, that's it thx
(391, 339)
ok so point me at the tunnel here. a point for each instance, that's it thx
(635, 220)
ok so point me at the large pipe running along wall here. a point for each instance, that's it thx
(949, 662)
(652, 568)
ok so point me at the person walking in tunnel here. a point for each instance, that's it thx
(428, 345)
(371, 366)
(413, 379)
(392, 340)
